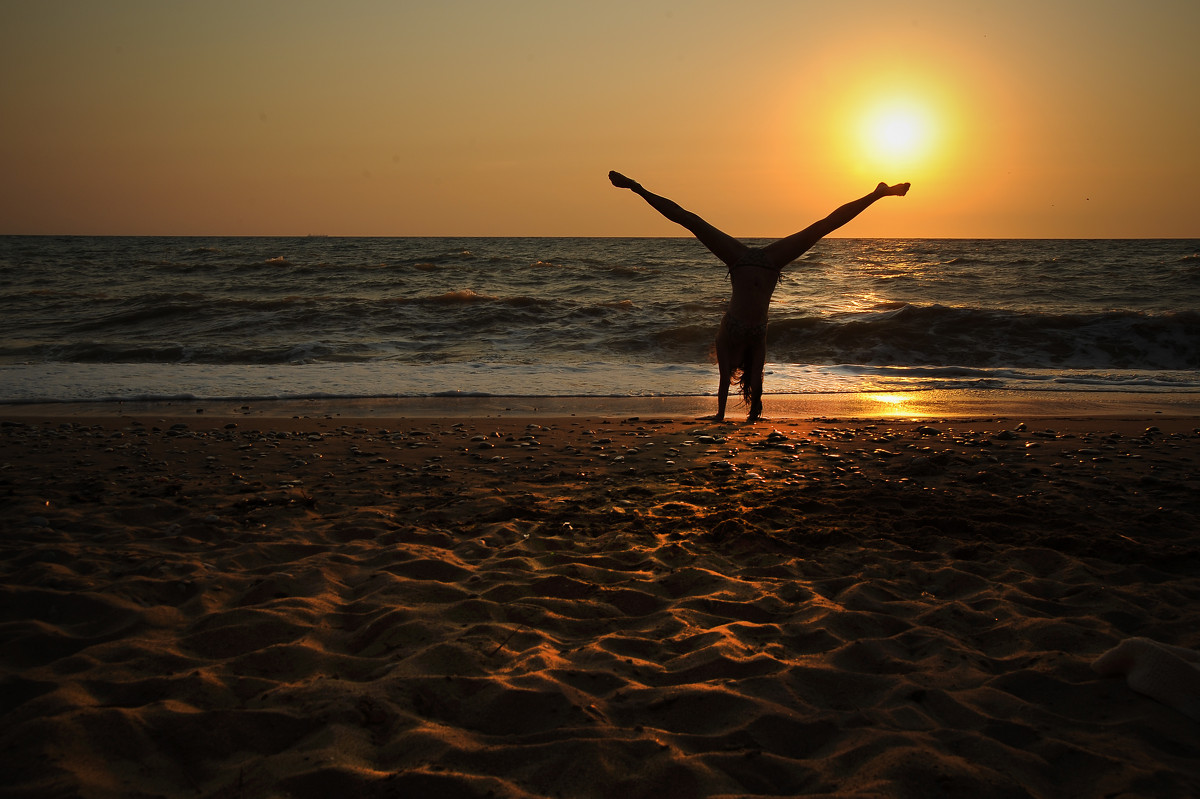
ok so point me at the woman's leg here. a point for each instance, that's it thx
(722, 245)
(783, 252)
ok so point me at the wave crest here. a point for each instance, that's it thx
(938, 334)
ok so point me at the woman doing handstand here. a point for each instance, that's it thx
(754, 272)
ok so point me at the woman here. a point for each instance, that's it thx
(754, 273)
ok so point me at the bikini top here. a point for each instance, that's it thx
(755, 257)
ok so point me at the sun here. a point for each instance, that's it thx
(896, 133)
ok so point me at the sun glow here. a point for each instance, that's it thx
(895, 124)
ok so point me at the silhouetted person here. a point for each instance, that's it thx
(754, 272)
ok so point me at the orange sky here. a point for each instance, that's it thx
(1024, 119)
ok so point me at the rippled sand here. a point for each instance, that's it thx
(596, 607)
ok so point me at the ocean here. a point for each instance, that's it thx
(159, 318)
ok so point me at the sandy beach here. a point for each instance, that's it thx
(234, 603)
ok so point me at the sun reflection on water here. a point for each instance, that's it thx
(892, 404)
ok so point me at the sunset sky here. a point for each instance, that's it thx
(1021, 118)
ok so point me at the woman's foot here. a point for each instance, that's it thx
(899, 190)
(622, 182)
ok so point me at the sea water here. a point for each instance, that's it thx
(155, 318)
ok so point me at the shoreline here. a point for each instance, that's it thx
(953, 403)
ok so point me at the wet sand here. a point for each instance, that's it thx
(239, 603)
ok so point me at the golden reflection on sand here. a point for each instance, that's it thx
(897, 405)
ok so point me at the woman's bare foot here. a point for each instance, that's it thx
(622, 182)
(899, 190)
